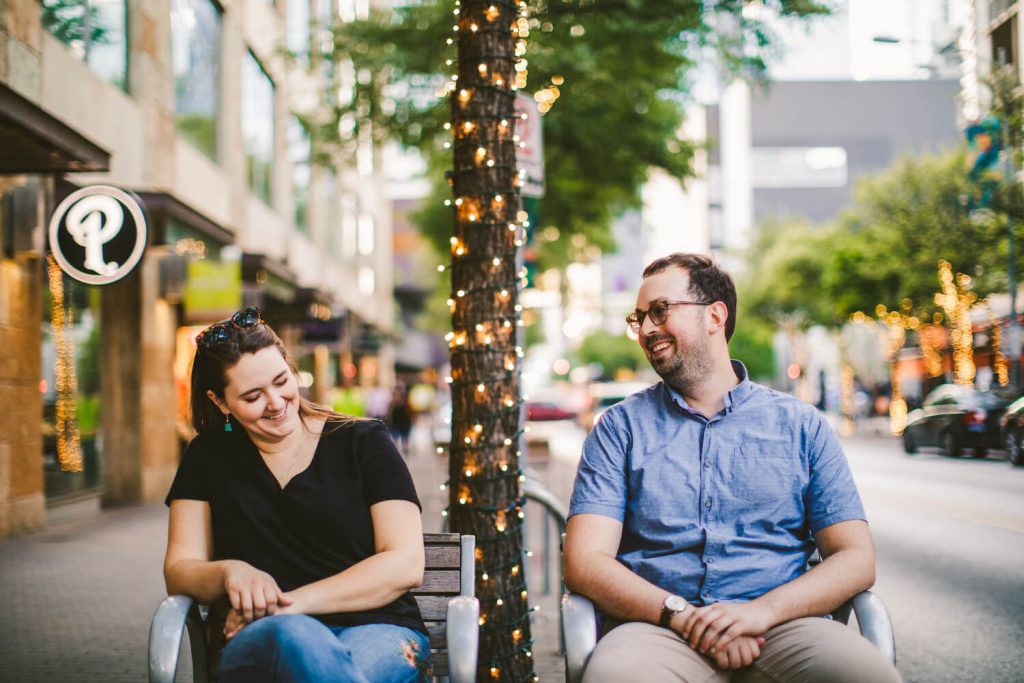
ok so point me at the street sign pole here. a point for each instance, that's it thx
(1011, 268)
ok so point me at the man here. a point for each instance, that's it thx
(694, 507)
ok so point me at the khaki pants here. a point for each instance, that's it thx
(808, 650)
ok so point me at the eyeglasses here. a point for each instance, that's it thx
(219, 332)
(658, 313)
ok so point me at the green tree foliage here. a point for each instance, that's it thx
(613, 352)
(884, 248)
(619, 68)
(786, 264)
(752, 344)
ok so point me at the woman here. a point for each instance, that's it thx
(302, 523)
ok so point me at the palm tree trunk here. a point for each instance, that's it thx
(484, 473)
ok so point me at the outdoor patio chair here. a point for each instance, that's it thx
(580, 630)
(446, 599)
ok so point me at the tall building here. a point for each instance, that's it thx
(201, 110)
(847, 95)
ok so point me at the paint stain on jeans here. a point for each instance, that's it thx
(411, 654)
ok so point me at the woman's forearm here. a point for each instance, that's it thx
(199, 579)
(375, 582)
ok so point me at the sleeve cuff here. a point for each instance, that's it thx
(615, 512)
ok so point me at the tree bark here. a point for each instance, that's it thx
(484, 474)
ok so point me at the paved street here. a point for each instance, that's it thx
(79, 596)
(950, 542)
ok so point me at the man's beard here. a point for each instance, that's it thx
(687, 368)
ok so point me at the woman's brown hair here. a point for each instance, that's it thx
(209, 373)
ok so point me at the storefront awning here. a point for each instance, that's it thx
(32, 141)
(161, 206)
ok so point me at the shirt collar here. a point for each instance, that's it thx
(733, 398)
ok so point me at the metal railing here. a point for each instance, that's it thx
(535, 491)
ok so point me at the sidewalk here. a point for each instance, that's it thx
(79, 596)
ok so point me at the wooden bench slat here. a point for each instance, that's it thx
(443, 557)
(433, 607)
(434, 539)
(443, 581)
(439, 660)
(436, 630)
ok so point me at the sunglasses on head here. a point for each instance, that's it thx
(219, 332)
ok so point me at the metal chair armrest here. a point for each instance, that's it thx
(172, 618)
(579, 629)
(463, 634)
(875, 623)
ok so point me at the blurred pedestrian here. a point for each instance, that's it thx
(400, 418)
(299, 524)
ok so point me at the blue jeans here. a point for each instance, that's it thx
(296, 648)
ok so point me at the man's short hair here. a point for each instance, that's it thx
(708, 282)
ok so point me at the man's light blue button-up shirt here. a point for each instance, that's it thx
(719, 509)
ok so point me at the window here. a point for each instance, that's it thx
(299, 153)
(95, 31)
(258, 126)
(332, 215)
(1004, 43)
(790, 167)
(366, 238)
(298, 30)
(367, 283)
(195, 58)
(349, 221)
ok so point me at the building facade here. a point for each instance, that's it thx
(203, 111)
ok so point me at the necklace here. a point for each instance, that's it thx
(298, 454)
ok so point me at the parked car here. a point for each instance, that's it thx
(543, 418)
(1013, 432)
(954, 417)
(544, 411)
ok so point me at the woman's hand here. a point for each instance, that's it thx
(253, 593)
(233, 624)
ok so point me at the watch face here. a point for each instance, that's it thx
(675, 603)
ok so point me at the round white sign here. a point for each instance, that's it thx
(98, 234)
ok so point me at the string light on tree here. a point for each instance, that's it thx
(484, 473)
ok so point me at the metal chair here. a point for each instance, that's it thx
(446, 600)
(579, 628)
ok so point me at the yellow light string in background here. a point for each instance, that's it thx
(65, 424)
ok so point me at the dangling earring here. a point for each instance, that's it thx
(227, 422)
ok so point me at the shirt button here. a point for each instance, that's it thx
(707, 503)
(711, 560)
(707, 464)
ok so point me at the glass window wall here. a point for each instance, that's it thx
(300, 154)
(299, 30)
(195, 57)
(258, 126)
(95, 31)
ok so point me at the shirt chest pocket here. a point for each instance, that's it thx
(764, 474)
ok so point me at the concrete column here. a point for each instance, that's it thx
(22, 501)
(321, 374)
(121, 365)
(157, 438)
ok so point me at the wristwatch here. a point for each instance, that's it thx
(672, 606)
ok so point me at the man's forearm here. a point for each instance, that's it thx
(821, 590)
(616, 590)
